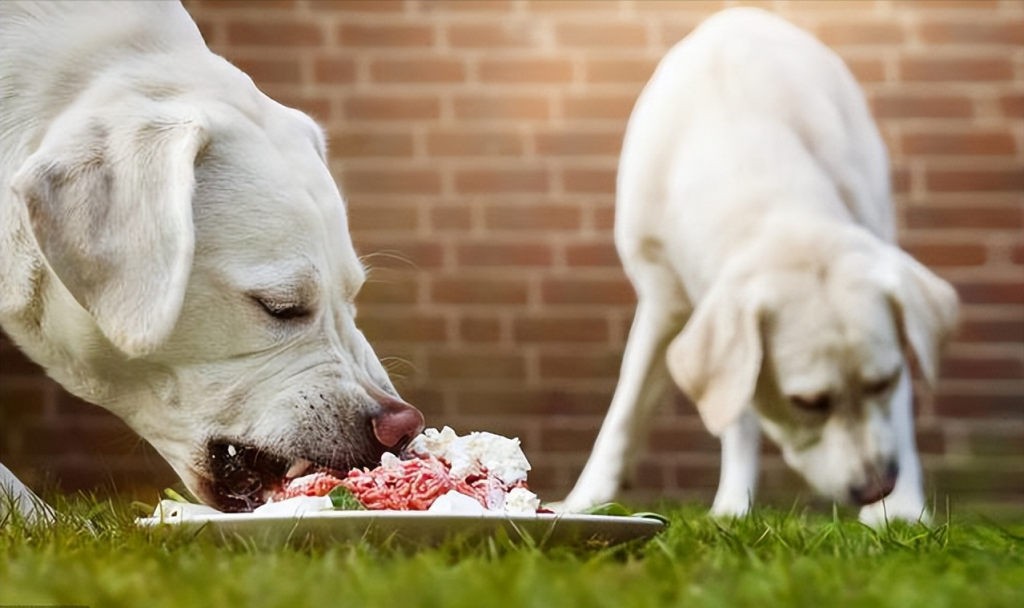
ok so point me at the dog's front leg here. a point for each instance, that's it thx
(641, 382)
(741, 447)
(906, 502)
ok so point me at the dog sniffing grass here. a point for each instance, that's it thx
(94, 556)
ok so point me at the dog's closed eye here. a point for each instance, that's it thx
(812, 403)
(283, 311)
(876, 388)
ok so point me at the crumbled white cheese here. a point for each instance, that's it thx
(455, 503)
(501, 456)
(521, 500)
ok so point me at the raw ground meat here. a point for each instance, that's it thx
(402, 485)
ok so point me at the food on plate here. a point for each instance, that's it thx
(440, 472)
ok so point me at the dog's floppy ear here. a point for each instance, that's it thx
(109, 198)
(717, 357)
(926, 309)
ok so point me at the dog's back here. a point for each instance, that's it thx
(747, 111)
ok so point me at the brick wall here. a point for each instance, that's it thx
(477, 141)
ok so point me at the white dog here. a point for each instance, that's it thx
(754, 220)
(175, 250)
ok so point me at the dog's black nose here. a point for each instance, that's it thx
(397, 422)
(877, 488)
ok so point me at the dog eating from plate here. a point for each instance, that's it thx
(174, 249)
(754, 219)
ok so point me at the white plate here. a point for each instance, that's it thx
(420, 527)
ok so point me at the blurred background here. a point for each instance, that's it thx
(476, 143)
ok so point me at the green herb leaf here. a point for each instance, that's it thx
(175, 496)
(342, 498)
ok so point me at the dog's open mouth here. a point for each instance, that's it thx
(242, 477)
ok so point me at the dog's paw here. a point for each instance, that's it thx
(726, 508)
(879, 514)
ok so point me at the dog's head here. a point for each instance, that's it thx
(813, 337)
(201, 232)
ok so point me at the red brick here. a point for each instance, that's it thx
(1017, 254)
(986, 292)
(357, 6)
(262, 34)
(579, 143)
(687, 6)
(984, 330)
(391, 181)
(973, 32)
(333, 70)
(318, 108)
(969, 405)
(576, 328)
(964, 143)
(557, 440)
(593, 254)
(384, 35)
(362, 218)
(478, 290)
(674, 31)
(270, 71)
(474, 143)
(491, 35)
(900, 104)
(938, 69)
(503, 254)
(479, 329)
(541, 217)
(402, 328)
(428, 70)
(948, 255)
(865, 69)
(501, 181)
(604, 218)
(849, 33)
(600, 292)
(1004, 217)
(1012, 105)
(583, 7)
(991, 368)
(521, 71)
(592, 365)
(371, 144)
(502, 107)
(597, 106)
(485, 6)
(395, 290)
(900, 177)
(450, 218)
(475, 366)
(238, 6)
(608, 35)
(636, 71)
(521, 403)
(380, 107)
(967, 180)
(1005, 442)
(978, 5)
(669, 440)
(590, 180)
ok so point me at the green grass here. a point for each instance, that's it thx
(95, 557)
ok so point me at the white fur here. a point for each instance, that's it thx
(151, 198)
(754, 219)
